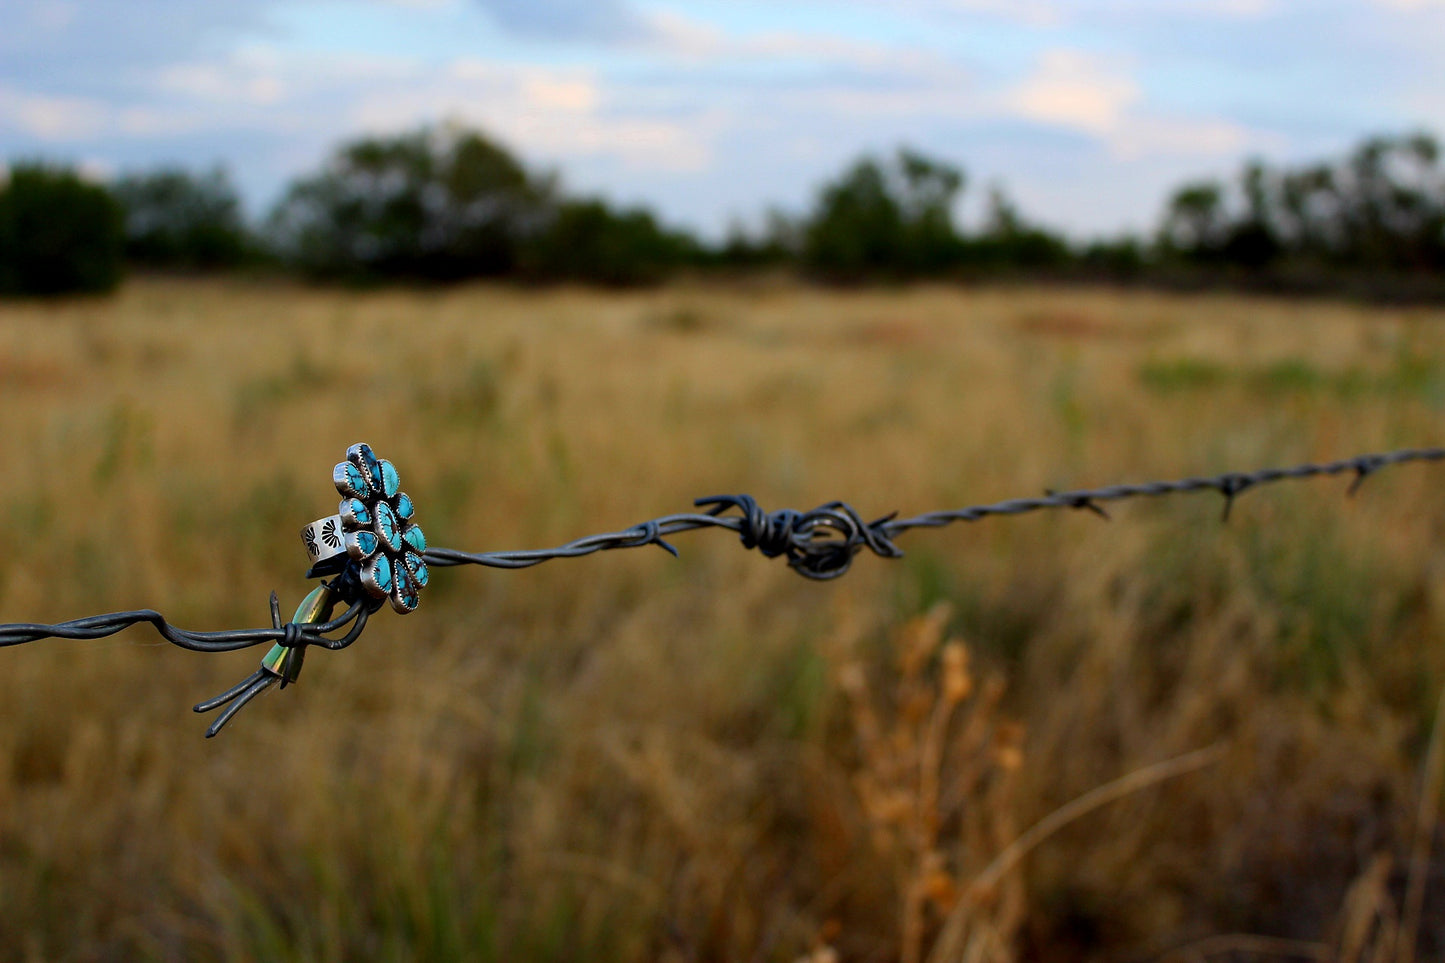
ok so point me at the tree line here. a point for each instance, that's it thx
(440, 205)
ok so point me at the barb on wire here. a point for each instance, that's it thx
(378, 553)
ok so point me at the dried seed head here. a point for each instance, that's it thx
(937, 882)
(1008, 750)
(957, 681)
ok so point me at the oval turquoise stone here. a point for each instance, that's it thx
(360, 545)
(417, 568)
(390, 480)
(404, 507)
(349, 480)
(354, 513)
(388, 527)
(377, 576)
(415, 538)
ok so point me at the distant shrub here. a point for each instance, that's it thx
(892, 219)
(176, 219)
(58, 234)
(1381, 208)
(589, 241)
(434, 204)
(1011, 243)
(1119, 258)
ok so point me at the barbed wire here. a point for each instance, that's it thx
(819, 544)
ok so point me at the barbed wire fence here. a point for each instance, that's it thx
(820, 545)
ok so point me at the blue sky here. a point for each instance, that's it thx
(711, 110)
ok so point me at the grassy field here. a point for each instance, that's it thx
(631, 757)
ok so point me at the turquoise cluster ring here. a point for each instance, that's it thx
(375, 528)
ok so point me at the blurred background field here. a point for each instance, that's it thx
(631, 757)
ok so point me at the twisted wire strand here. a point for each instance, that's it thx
(820, 544)
(290, 635)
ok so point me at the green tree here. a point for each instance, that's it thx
(1196, 225)
(893, 219)
(857, 227)
(433, 204)
(176, 219)
(1254, 242)
(1009, 241)
(586, 240)
(58, 234)
(1381, 208)
(1395, 206)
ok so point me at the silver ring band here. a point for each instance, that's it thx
(323, 539)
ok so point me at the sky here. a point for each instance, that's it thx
(1087, 111)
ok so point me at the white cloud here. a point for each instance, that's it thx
(259, 75)
(222, 82)
(558, 113)
(1086, 93)
(1031, 13)
(51, 118)
(675, 36)
(1074, 89)
(95, 170)
(1152, 136)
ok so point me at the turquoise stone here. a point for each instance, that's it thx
(354, 513)
(377, 576)
(361, 545)
(350, 482)
(390, 480)
(417, 568)
(388, 527)
(366, 460)
(404, 507)
(404, 595)
(415, 538)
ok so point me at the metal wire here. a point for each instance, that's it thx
(820, 544)
(290, 635)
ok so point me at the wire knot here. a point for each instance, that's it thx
(1364, 466)
(294, 637)
(819, 544)
(647, 533)
(1231, 486)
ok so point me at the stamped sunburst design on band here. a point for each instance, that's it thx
(377, 529)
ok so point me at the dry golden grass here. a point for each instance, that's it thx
(630, 757)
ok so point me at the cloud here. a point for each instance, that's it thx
(1152, 136)
(51, 118)
(707, 108)
(552, 112)
(223, 82)
(1074, 89)
(101, 42)
(1032, 13)
(600, 21)
(1084, 92)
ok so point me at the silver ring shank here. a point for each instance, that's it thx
(323, 539)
